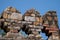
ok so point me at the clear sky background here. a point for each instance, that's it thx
(40, 5)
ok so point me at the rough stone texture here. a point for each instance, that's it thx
(32, 23)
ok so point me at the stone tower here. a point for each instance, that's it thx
(32, 23)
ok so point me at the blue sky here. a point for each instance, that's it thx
(40, 5)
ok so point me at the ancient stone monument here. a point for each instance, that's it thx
(32, 23)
